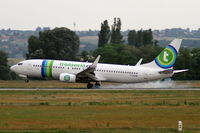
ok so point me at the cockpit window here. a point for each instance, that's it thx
(19, 64)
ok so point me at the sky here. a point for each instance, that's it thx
(88, 14)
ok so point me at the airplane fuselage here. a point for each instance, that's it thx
(106, 72)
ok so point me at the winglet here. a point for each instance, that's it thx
(95, 62)
(139, 62)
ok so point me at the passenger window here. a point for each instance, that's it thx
(19, 64)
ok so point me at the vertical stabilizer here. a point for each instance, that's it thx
(167, 58)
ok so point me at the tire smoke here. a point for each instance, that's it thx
(164, 84)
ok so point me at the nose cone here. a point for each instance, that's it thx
(13, 68)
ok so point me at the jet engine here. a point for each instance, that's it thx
(66, 77)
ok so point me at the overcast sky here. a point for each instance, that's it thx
(88, 14)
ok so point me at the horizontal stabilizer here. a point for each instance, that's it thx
(170, 71)
(179, 71)
(22, 76)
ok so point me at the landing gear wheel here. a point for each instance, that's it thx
(26, 80)
(97, 85)
(89, 85)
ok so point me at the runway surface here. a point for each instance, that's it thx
(158, 89)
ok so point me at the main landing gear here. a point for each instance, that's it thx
(96, 85)
(26, 80)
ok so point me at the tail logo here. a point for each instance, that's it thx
(167, 57)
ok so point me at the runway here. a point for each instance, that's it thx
(76, 89)
(156, 85)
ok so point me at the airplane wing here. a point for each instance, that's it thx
(88, 74)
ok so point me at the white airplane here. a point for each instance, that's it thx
(70, 71)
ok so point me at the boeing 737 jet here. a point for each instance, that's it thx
(70, 71)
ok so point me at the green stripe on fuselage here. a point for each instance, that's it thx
(49, 68)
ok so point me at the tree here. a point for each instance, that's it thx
(139, 38)
(4, 71)
(59, 43)
(85, 55)
(108, 54)
(194, 70)
(116, 36)
(132, 38)
(104, 34)
(147, 37)
(3, 58)
(37, 54)
(34, 44)
(149, 52)
(129, 55)
(183, 61)
(118, 54)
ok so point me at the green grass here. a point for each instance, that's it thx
(90, 39)
(99, 111)
(58, 84)
(102, 131)
(39, 84)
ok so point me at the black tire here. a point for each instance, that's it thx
(97, 85)
(89, 85)
(26, 80)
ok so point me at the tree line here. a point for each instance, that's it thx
(5, 73)
(58, 44)
(114, 36)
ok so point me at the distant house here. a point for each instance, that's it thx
(4, 38)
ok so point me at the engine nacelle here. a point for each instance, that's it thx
(66, 77)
